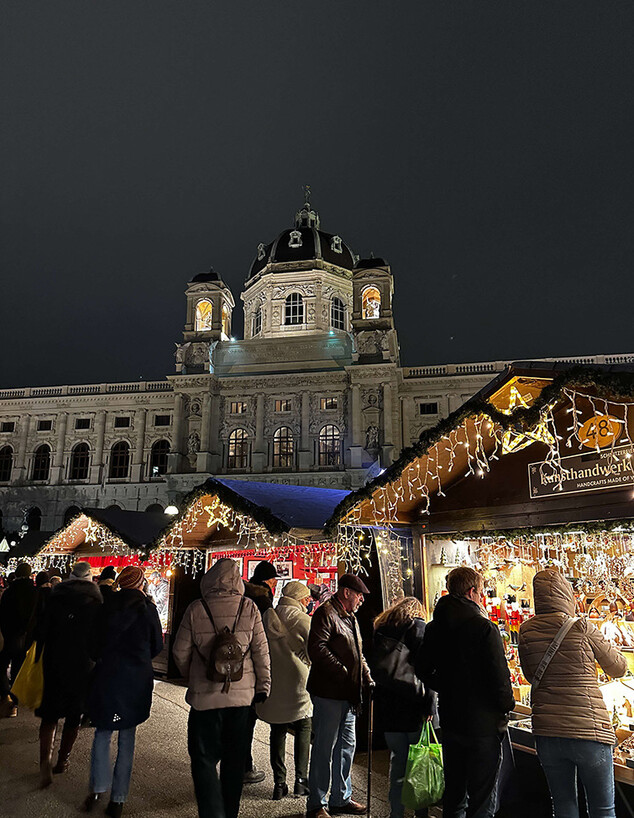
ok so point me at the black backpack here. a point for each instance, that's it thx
(226, 658)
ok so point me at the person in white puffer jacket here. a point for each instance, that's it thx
(289, 706)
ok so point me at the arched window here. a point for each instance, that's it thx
(6, 463)
(371, 303)
(41, 462)
(79, 462)
(71, 511)
(283, 448)
(238, 457)
(34, 518)
(226, 321)
(155, 508)
(119, 460)
(113, 507)
(204, 315)
(337, 314)
(257, 322)
(329, 446)
(158, 458)
(294, 309)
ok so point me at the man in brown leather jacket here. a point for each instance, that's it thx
(337, 677)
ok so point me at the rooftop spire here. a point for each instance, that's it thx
(307, 217)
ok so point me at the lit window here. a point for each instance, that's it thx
(283, 405)
(122, 422)
(42, 462)
(82, 423)
(237, 407)
(226, 322)
(329, 446)
(44, 425)
(79, 462)
(337, 314)
(238, 457)
(119, 460)
(328, 403)
(158, 458)
(162, 420)
(371, 303)
(294, 309)
(257, 321)
(6, 463)
(283, 448)
(204, 315)
(428, 408)
(7, 426)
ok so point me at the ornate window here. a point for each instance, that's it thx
(294, 309)
(337, 314)
(336, 245)
(295, 239)
(226, 322)
(158, 458)
(371, 303)
(119, 460)
(6, 463)
(329, 446)
(204, 315)
(257, 322)
(283, 448)
(79, 462)
(261, 251)
(41, 462)
(238, 457)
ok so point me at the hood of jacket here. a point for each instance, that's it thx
(222, 578)
(274, 627)
(553, 593)
(453, 611)
(289, 602)
(76, 593)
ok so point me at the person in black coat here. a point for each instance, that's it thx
(128, 637)
(463, 660)
(17, 607)
(63, 632)
(402, 702)
(107, 580)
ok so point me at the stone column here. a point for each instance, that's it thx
(98, 458)
(259, 457)
(305, 455)
(174, 458)
(140, 418)
(388, 425)
(20, 460)
(356, 450)
(203, 459)
(57, 469)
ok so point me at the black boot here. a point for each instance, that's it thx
(280, 791)
(47, 739)
(91, 801)
(69, 734)
(301, 787)
(114, 809)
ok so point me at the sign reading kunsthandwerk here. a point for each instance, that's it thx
(608, 469)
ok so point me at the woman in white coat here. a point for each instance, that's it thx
(289, 705)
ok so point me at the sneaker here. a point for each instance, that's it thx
(253, 776)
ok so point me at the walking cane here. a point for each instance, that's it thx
(370, 730)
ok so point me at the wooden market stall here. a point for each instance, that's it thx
(535, 470)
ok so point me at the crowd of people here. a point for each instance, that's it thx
(244, 658)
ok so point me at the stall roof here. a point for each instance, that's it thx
(542, 384)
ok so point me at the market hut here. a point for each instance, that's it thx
(536, 470)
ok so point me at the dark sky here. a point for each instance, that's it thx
(484, 148)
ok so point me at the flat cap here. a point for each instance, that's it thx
(354, 583)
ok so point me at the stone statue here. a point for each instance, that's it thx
(193, 443)
(372, 438)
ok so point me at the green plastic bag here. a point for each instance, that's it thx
(424, 781)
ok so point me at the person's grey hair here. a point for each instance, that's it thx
(81, 570)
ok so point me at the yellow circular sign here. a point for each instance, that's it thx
(600, 431)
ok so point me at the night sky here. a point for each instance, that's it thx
(484, 148)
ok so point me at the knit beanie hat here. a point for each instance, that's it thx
(132, 577)
(23, 571)
(108, 573)
(296, 590)
(264, 570)
(81, 570)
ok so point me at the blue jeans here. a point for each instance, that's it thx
(398, 745)
(333, 747)
(101, 776)
(563, 759)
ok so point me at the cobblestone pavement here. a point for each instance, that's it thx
(161, 782)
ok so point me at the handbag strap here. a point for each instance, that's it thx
(552, 650)
(211, 619)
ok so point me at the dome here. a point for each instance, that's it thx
(305, 242)
(212, 275)
(370, 263)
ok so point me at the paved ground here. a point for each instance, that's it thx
(161, 783)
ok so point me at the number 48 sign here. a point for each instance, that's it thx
(600, 431)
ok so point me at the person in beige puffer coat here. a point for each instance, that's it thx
(572, 727)
(289, 706)
(218, 720)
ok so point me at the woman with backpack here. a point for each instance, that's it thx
(402, 703)
(572, 727)
(128, 636)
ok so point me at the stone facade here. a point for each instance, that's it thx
(314, 394)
